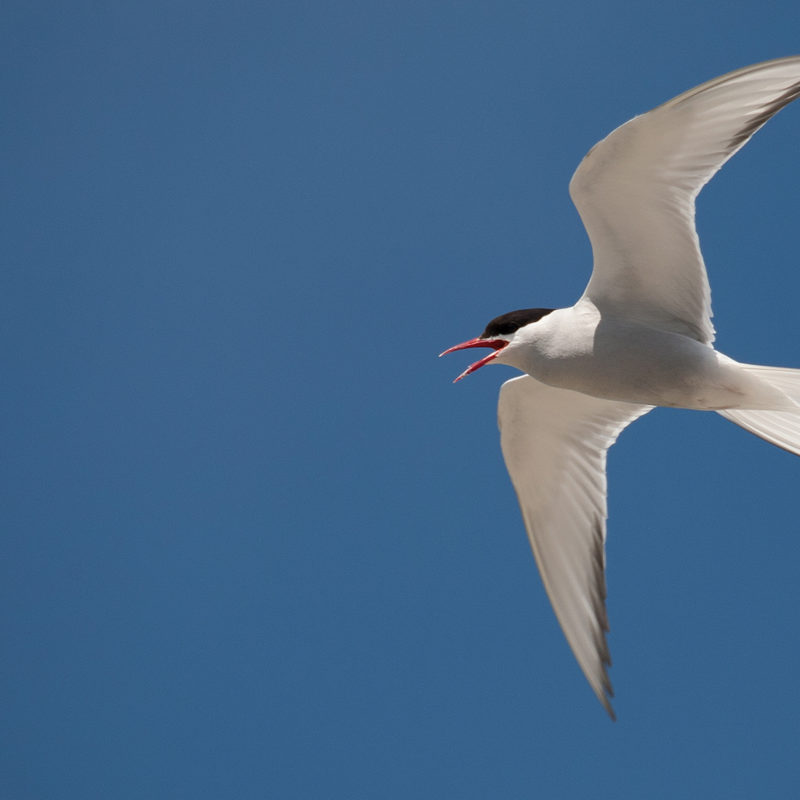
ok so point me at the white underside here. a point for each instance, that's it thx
(620, 359)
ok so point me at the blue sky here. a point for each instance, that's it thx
(254, 542)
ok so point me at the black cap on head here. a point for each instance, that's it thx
(506, 324)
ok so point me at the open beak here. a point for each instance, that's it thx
(496, 344)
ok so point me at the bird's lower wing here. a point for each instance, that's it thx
(554, 443)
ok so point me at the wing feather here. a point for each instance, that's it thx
(554, 443)
(635, 191)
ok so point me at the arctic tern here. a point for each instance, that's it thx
(639, 337)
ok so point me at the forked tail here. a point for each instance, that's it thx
(781, 428)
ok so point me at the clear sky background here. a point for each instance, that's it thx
(253, 542)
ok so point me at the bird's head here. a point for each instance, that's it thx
(499, 334)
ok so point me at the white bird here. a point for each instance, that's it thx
(640, 336)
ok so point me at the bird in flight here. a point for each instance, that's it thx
(640, 336)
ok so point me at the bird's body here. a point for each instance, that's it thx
(639, 337)
(615, 358)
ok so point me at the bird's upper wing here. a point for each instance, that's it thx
(554, 443)
(635, 192)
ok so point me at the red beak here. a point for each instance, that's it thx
(496, 344)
